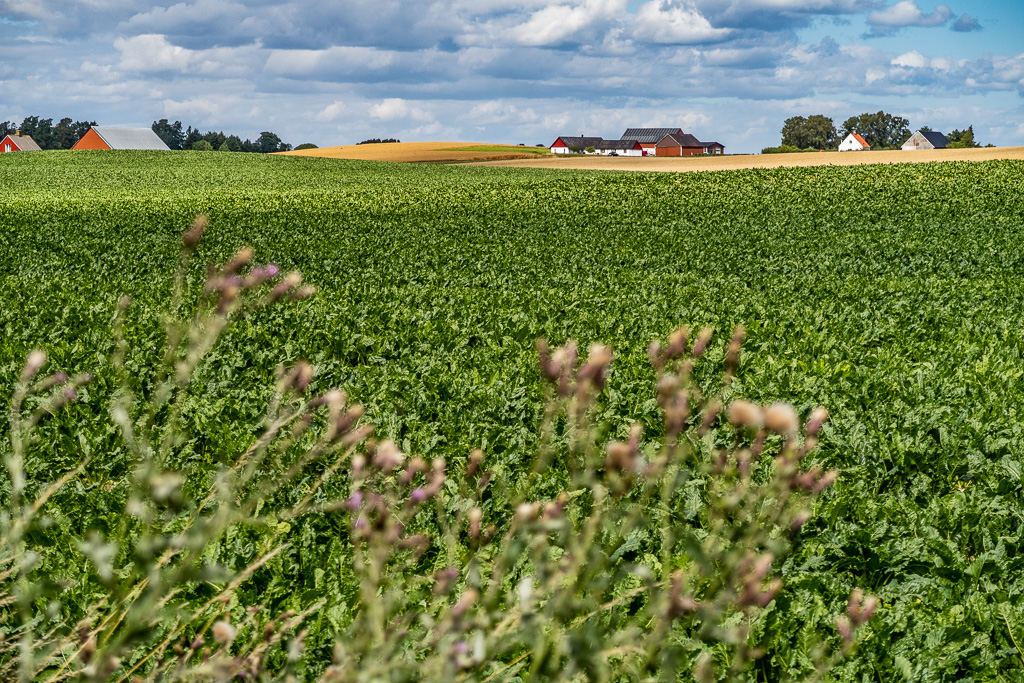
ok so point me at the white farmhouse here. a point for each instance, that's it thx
(926, 139)
(853, 143)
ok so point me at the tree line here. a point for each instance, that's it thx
(46, 134)
(176, 136)
(66, 132)
(880, 130)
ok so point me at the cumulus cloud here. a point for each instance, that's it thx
(674, 22)
(905, 14)
(478, 69)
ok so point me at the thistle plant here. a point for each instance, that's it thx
(637, 557)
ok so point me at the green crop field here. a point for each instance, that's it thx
(893, 295)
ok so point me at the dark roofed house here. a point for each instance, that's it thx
(686, 145)
(649, 137)
(569, 145)
(622, 148)
(926, 139)
(19, 143)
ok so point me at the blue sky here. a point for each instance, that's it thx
(339, 71)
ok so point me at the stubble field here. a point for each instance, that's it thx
(891, 294)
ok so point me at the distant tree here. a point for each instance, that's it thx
(925, 129)
(171, 133)
(40, 130)
(224, 147)
(816, 131)
(307, 145)
(269, 142)
(234, 143)
(192, 136)
(7, 128)
(374, 141)
(215, 139)
(202, 146)
(962, 138)
(881, 130)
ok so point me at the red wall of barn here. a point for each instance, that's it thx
(8, 141)
(91, 140)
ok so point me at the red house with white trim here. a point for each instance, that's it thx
(18, 143)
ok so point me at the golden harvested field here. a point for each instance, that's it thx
(722, 163)
(421, 152)
(511, 155)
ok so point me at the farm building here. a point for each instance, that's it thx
(623, 148)
(853, 143)
(649, 137)
(686, 145)
(18, 143)
(926, 139)
(569, 145)
(109, 137)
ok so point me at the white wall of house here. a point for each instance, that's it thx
(620, 152)
(850, 144)
(917, 141)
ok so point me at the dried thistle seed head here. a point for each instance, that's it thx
(241, 257)
(35, 360)
(781, 419)
(732, 354)
(526, 511)
(826, 480)
(818, 418)
(655, 356)
(702, 342)
(799, 519)
(621, 458)
(300, 376)
(711, 412)
(475, 515)
(599, 354)
(224, 632)
(844, 627)
(745, 414)
(415, 466)
(195, 233)
(475, 458)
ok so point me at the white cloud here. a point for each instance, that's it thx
(668, 22)
(906, 13)
(913, 60)
(394, 108)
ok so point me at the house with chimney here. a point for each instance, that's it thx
(18, 143)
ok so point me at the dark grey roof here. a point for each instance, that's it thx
(25, 143)
(617, 144)
(937, 139)
(648, 136)
(686, 140)
(580, 142)
(130, 138)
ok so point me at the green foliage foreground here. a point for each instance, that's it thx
(889, 294)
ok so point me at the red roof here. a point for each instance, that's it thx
(862, 141)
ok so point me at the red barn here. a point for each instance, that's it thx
(649, 137)
(686, 145)
(107, 137)
(18, 143)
